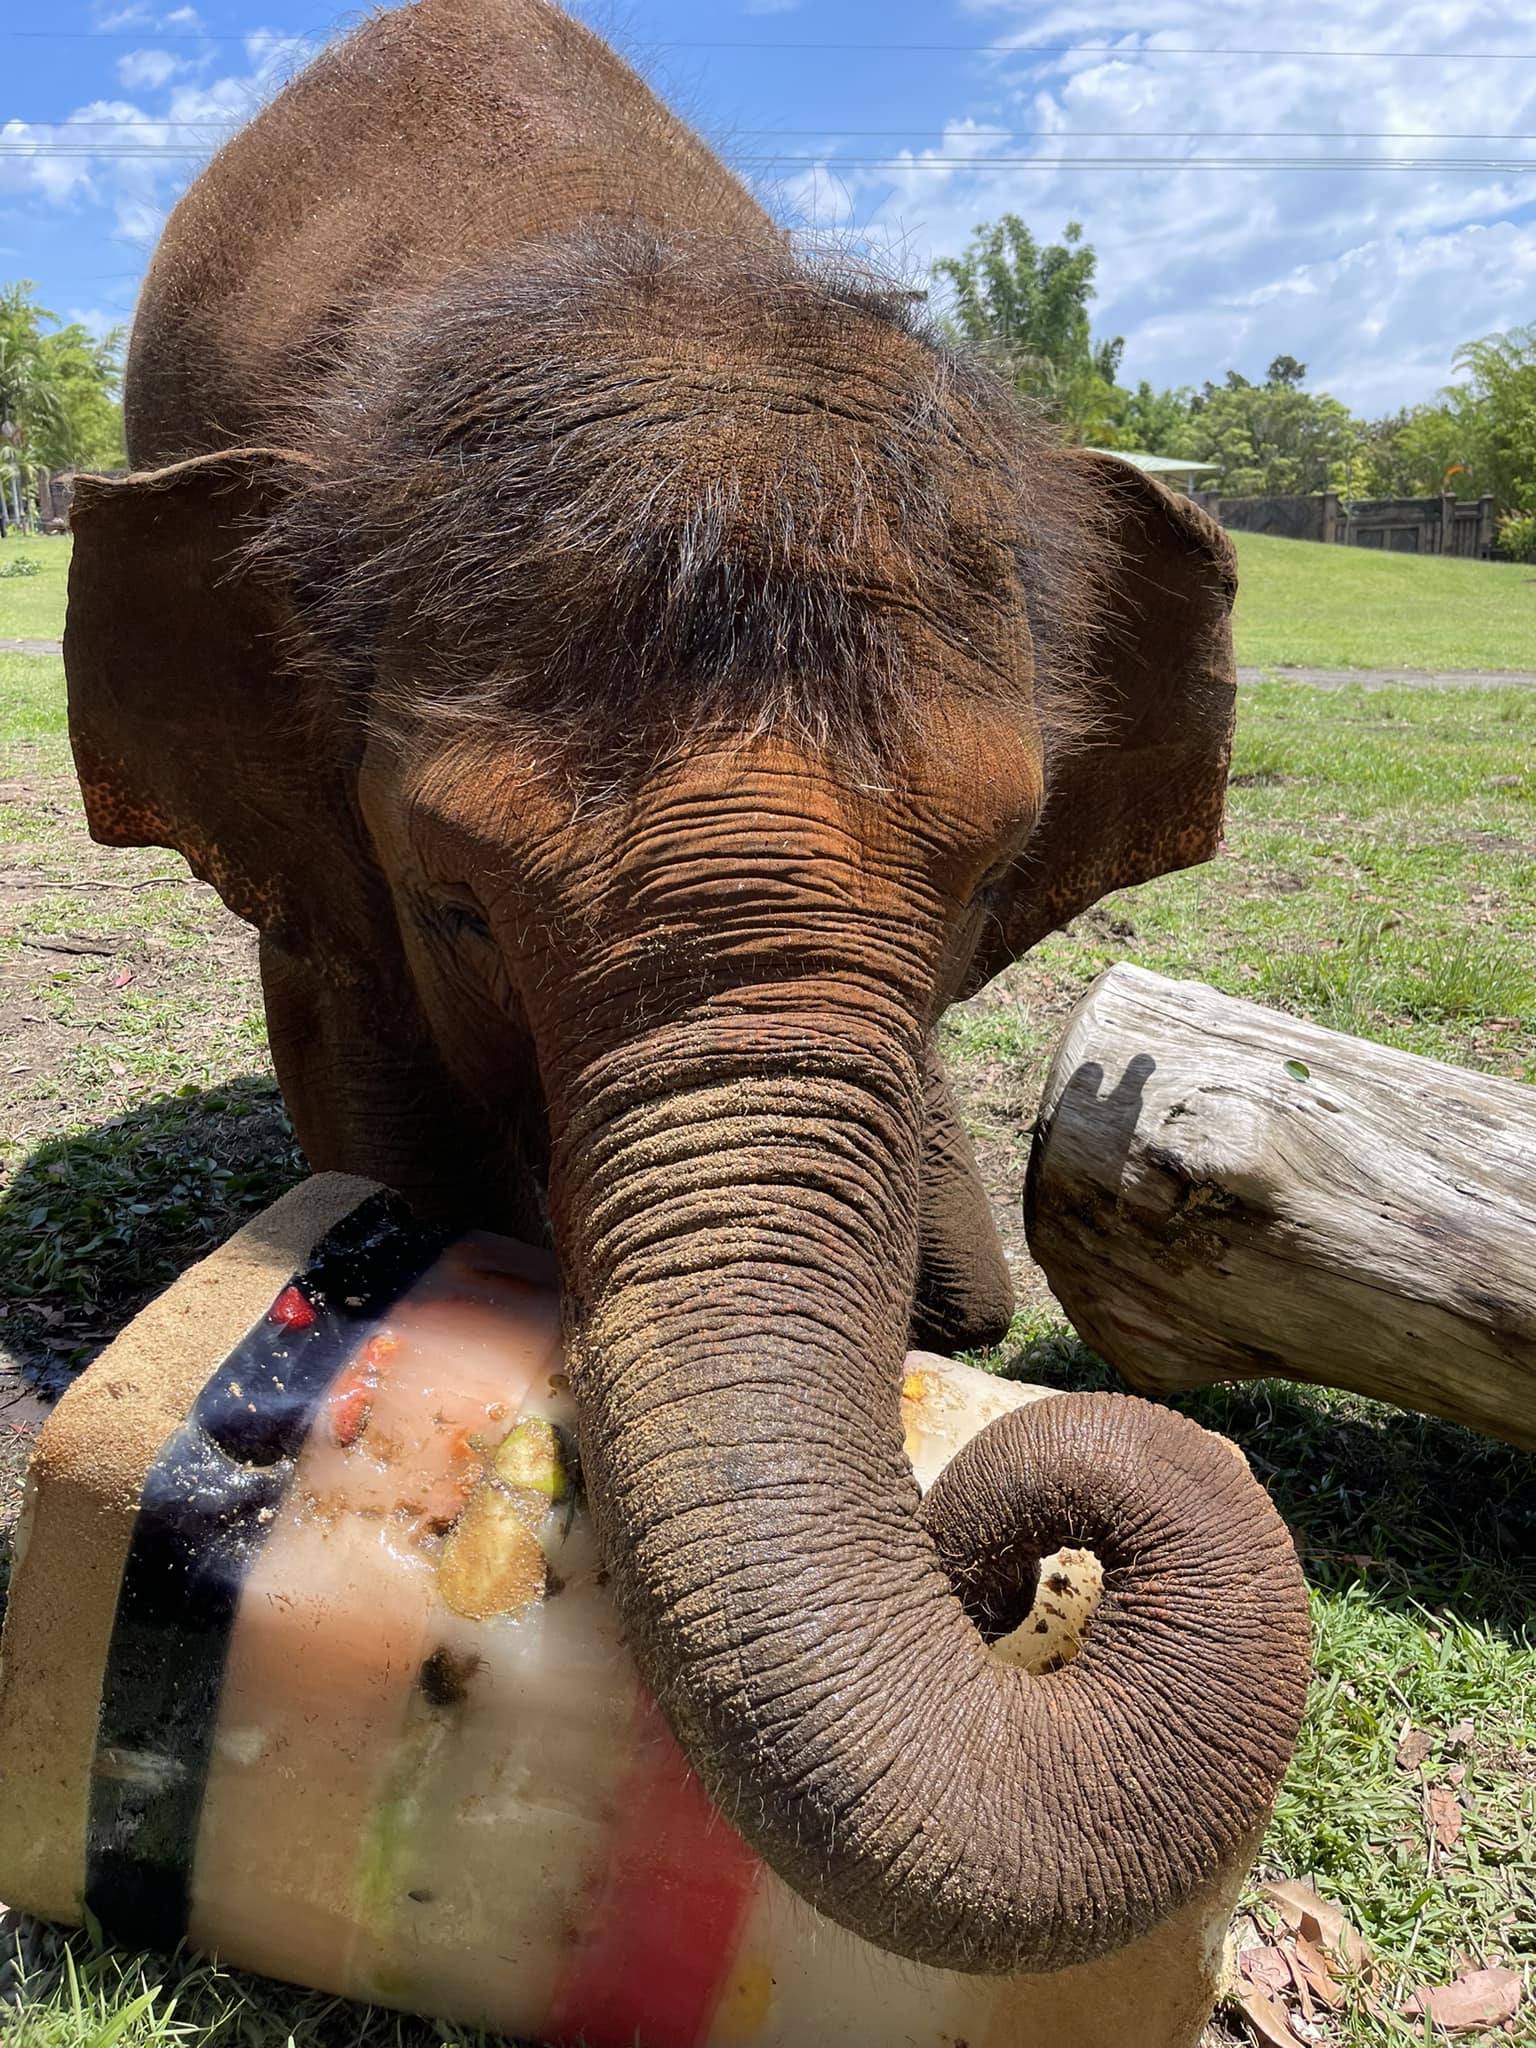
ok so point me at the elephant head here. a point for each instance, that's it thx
(652, 684)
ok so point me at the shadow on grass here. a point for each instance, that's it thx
(1426, 1513)
(92, 1225)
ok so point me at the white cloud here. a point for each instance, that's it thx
(150, 69)
(58, 159)
(94, 319)
(123, 157)
(816, 202)
(275, 56)
(1370, 274)
(138, 220)
(182, 21)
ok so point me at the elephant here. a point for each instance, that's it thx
(634, 678)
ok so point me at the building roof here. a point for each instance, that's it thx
(1157, 465)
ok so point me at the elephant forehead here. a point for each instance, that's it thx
(737, 823)
(649, 494)
(793, 462)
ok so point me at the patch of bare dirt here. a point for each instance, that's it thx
(1266, 882)
(126, 990)
(115, 946)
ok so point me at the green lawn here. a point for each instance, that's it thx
(1379, 876)
(32, 607)
(1303, 605)
(1299, 605)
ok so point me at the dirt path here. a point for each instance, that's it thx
(54, 647)
(1396, 678)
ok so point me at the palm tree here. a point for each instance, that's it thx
(30, 399)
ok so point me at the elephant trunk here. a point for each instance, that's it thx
(737, 1222)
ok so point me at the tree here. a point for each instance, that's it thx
(1496, 410)
(1414, 453)
(1274, 439)
(1027, 306)
(1154, 422)
(87, 373)
(1480, 436)
(58, 390)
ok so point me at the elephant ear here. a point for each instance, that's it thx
(1144, 791)
(189, 728)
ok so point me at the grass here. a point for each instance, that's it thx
(32, 607)
(1299, 605)
(1379, 876)
(78, 1992)
(1303, 605)
(1419, 1545)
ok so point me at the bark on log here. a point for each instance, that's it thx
(1218, 1191)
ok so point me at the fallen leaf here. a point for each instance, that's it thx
(1457, 1774)
(1326, 1988)
(1461, 1735)
(1413, 1749)
(1444, 1815)
(1265, 1967)
(1481, 1998)
(1298, 1977)
(122, 980)
(1305, 1913)
(1268, 2022)
(116, 1067)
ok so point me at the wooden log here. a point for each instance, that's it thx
(1218, 1191)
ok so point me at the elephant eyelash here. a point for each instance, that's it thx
(452, 918)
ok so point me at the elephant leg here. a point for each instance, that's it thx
(369, 1095)
(964, 1290)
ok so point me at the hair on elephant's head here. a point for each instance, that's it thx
(652, 684)
(615, 473)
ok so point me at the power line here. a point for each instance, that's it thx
(1163, 161)
(1161, 134)
(1268, 163)
(219, 124)
(147, 36)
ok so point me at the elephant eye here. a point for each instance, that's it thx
(455, 915)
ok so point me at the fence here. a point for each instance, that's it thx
(1408, 526)
(33, 500)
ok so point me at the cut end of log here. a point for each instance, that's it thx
(1219, 1191)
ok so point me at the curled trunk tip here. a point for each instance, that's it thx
(1180, 1713)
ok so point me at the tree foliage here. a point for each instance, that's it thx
(1026, 304)
(59, 388)
(1274, 439)
(1153, 422)
(1495, 408)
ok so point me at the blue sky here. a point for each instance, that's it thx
(1371, 274)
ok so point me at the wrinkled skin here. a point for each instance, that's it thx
(651, 967)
